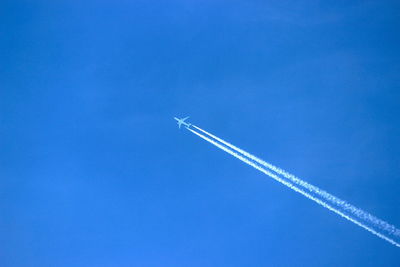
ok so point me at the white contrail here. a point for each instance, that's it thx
(335, 200)
(291, 186)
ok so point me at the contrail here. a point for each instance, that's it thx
(293, 187)
(335, 200)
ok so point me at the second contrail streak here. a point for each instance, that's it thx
(293, 187)
(331, 198)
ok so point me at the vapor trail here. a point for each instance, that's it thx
(335, 200)
(293, 187)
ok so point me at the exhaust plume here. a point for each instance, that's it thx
(332, 199)
(290, 185)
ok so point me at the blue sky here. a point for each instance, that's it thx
(94, 172)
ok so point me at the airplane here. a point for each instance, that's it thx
(182, 121)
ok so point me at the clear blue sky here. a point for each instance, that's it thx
(94, 171)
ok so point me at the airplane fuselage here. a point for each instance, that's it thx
(182, 122)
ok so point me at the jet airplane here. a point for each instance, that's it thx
(182, 122)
